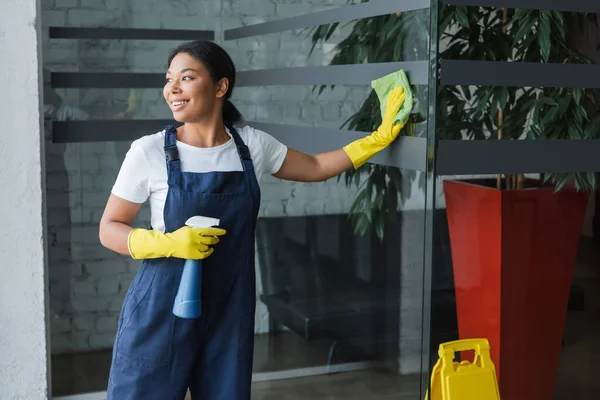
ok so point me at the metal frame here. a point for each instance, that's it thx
(60, 32)
(430, 198)
(340, 14)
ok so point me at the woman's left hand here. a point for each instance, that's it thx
(302, 167)
(361, 150)
(388, 131)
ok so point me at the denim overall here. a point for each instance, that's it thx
(158, 356)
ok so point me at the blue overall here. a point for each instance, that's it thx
(158, 356)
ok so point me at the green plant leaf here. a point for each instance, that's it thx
(503, 97)
(547, 100)
(577, 93)
(544, 33)
(461, 16)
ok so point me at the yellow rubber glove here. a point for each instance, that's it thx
(361, 150)
(187, 242)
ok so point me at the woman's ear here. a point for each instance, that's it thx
(222, 87)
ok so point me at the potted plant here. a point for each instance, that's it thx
(514, 239)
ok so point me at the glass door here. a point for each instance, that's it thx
(340, 265)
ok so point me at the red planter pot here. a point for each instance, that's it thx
(513, 254)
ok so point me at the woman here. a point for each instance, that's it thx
(204, 167)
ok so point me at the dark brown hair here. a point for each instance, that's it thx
(219, 64)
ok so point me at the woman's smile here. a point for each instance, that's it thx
(177, 105)
(190, 90)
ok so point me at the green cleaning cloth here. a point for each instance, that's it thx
(383, 86)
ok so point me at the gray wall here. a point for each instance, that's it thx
(23, 344)
(87, 282)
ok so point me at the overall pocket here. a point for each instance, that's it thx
(246, 293)
(146, 333)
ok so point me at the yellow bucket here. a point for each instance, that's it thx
(452, 380)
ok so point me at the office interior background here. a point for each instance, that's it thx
(357, 279)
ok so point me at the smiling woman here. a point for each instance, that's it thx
(199, 83)
(215, 170)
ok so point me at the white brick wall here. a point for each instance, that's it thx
(87, 282)
(23, 330)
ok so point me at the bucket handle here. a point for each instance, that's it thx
(480, 346)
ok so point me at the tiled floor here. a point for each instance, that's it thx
(579, 374)
(367, 385)
(578, 379)
(88, 372)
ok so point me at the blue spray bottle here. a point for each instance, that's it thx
(188, 302)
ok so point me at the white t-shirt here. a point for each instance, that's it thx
(143, 174)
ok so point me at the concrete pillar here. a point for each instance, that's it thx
(24, 371)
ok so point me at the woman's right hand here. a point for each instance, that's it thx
(187, 242)
(194, 243)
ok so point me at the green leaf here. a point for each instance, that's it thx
(380, 228)
(524, 27)
(361, 225)
(544, 33)
(392, 196)
(563, 105)
(503, 97)
(358, 202)
(396, 176)
(331, 30)
(577, 93)
(561, 184)
(461, 16)
(590, 180)
(547, 100)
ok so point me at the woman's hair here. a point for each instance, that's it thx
(219, 65)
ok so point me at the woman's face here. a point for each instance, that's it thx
(190, 91)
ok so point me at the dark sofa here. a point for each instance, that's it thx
(320, 280)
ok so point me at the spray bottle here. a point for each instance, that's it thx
(188, 302)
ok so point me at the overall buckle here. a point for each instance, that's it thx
(244, 153)
(171, 153)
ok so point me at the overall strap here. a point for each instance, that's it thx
(172, 156)
(247, 165)
(243, 150)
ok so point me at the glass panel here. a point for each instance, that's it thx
(386, 38)
(325, 107)
(339, 288)
(514, 255)
(338, 107)
(509, 276)
(110, 104)
(518, 112)
(87, 282)
(107, 55)
(339, 297)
